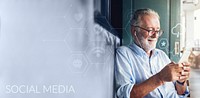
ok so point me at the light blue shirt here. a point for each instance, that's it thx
(134, 66)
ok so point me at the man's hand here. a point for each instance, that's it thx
(185, 73)
(171, 72)
(181, 82)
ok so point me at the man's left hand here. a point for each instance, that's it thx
(185, 73)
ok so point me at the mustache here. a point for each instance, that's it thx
(152, 38)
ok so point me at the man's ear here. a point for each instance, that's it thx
(133, 31)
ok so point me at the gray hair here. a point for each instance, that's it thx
(136, 18)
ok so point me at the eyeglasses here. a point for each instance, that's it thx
(151, 32)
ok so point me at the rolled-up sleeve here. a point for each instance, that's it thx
(123, 75)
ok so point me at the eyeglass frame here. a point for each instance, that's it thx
(159, 32)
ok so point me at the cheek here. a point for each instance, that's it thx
(144, 35)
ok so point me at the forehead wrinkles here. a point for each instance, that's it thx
(149, 21)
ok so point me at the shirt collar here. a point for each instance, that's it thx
(139, 51)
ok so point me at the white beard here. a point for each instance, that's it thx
(146, 45)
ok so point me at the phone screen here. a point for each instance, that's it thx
(184, 57)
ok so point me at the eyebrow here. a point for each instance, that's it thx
(153, 28)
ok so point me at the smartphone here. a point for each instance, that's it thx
(184, 57)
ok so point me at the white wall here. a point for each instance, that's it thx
(189, 36)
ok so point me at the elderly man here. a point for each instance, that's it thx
(144, 71)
